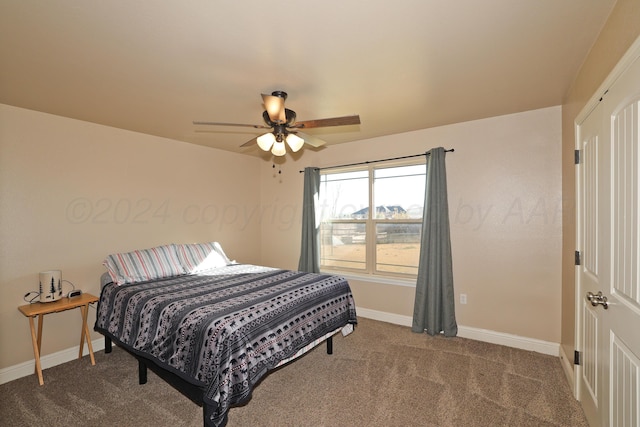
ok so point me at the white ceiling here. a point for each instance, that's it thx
(154, 66)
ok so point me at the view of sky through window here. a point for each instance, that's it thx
(344, 194)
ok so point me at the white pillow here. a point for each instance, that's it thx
(221, 252)
(198, 257)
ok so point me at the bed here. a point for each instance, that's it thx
(212, 328)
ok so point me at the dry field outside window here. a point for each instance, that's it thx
(391, 257)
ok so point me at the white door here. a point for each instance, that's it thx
(590, 190)
(609, 240)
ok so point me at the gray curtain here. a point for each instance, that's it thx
(310, 248)
(434, 307)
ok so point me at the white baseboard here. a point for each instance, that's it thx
(47, 361)
(383, 316)
(569, 369)
(493, 337)
(27, 368)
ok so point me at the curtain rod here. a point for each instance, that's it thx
(381, 160)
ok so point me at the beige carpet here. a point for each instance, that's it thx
(381, 375)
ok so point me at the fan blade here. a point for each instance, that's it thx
(310, 139)
(231, 124)
(334, 121)
(252, 141)
(275, 108)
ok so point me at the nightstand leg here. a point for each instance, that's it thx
(40, 326)
(82, 332)
(85, 333)
(36, 348)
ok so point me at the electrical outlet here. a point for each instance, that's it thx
(463, 298)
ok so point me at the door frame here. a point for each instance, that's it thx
(623, 64)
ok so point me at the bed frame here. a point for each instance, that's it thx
(191, 391)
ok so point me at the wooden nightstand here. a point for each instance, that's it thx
(40, 309)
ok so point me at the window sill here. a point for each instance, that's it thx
(385, 280)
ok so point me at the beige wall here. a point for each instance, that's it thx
(505, 211)
(620, 31)
(72, 192)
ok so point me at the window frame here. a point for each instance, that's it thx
(371, 222)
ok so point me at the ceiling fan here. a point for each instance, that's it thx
(284, 127)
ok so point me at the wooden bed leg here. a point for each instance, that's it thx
(330, 345)
(142, 372)
(107, 345)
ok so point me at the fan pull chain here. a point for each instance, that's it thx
(279, 169)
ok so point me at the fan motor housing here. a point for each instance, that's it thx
(280, 94)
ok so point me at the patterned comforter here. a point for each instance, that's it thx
(225, 329)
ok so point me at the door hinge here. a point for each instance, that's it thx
(577, 260)
(577, 157)
(602, 97)
(577, 360)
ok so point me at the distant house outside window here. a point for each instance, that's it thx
(371, 218)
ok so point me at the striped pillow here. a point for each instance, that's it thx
(198, 257)
(144, 264)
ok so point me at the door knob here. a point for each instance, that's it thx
(597, 299)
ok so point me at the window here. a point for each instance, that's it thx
(371, 218)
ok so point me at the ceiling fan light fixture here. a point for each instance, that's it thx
(266, 141)
(279, 149)
(285, 129)
(295, 142)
